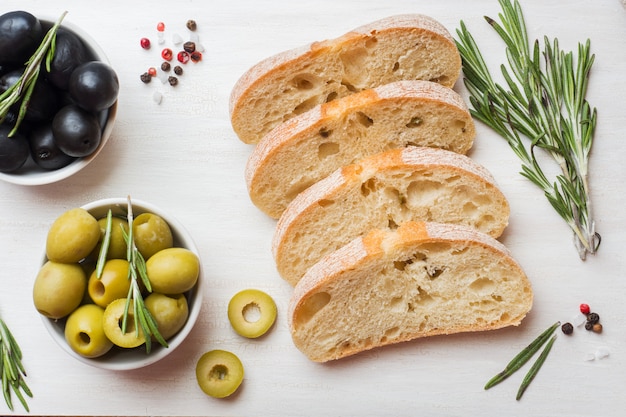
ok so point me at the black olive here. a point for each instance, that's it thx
(76, 131)
(69, 53)
(20, 35)
(43, 102)
(94, 86)
(44, 150)
(14, 150)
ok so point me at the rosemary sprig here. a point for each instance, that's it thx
(535, 368)
(23, 88)
(11, 369)
(143, 319)
(523, 356)
(543, 99)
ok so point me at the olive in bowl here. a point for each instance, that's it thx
(72, 110)
(93, 334)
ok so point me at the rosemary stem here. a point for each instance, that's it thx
(27, 80)
(12, 369)
(544, 100)
(143, 319)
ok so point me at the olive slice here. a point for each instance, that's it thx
(219, 373)
(251, 313)
(112, 322)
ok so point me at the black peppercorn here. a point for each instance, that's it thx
(165, 66)
(597, 328)
(145, 77)
(588, 326)
(593, 318)
(191, 25)
(567, 328)
(172, 80)
(189, 46)
(178, 70)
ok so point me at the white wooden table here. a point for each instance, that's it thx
(183, 156)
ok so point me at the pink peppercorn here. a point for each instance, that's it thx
(167, 54)
(145, 43)
(160, 26)
(584, 308)
(183, 57)
(152, 71)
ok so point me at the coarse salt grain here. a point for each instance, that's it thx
(157, 97)
(602, 352)
(579, 320)
(177, 39)
(194, 37)
(162, 76)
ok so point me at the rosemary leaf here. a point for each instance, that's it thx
(523, 356)
(543, 100)
(535, 368)
(104, 248)
(12, 369)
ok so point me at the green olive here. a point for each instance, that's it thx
(113, 315)
(114, 282)
(117, 244)
(219, 373)
(152, 234)
(58, 289)
(251, 313)
(169, 311)
(72, 236)
(84, 331)
(173, 270)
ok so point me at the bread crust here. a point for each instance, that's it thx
(357, 258)
(254, 84)
(274, 177)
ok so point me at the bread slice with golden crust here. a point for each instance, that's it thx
(307, 148)
(402, 47)
(382, 191)
(391, 286)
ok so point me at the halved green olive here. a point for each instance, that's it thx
(251, 313)
(113, 315)
(219, 373)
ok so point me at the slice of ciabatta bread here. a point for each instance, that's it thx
(403, 47)
(383, 191)
(422, 279)
(308, 147)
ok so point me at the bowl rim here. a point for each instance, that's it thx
(195, 296)
(44, 177)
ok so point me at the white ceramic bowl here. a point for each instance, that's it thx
(30, 173)
(127, 359)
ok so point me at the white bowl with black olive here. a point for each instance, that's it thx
(72, 108)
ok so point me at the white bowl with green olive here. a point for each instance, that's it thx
(72, 108)
(84, 292)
